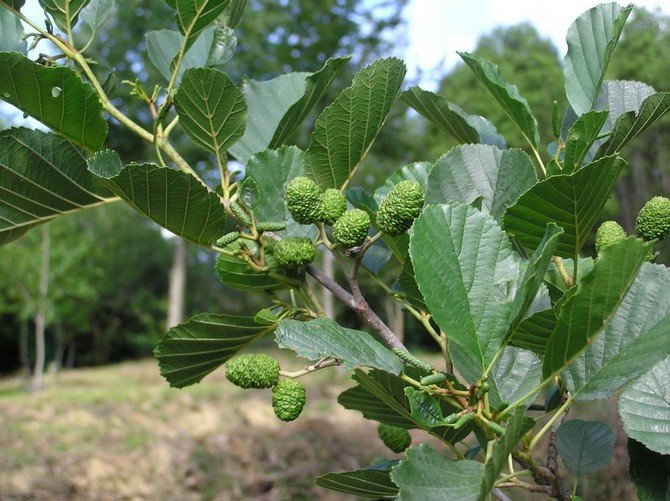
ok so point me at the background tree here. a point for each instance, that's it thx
(526, 58)
(642, 55)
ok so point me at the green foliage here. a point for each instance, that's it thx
(584, 446)
(253, 371)
(288, 399)
(352, 228)
(396, 439)
(211, 109)
(69, 188)
(57, 97)
(653, 220)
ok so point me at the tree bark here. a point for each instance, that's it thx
(177, 289)
(41, 312)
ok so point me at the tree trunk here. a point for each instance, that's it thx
(24, 352)
(626, 211)
(395, 317)
(41, 312)
(662, 160)
(177, 288)
(71, 353)
(327, 298)
(55, 365)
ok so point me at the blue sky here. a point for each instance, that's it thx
(438, 28)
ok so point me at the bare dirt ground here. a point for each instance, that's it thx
(120, 432)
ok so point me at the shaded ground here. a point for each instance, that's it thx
(120, 432)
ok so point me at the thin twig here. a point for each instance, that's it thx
(357, 303)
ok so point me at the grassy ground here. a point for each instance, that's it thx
(120, 432)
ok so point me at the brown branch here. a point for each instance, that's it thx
(547, 489)
(552, 458)
(357, 303)
(544, 477)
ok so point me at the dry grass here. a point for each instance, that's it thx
(120, 432)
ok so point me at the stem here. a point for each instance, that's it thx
(574, 487)
(562, 270)
(548, 424)
(321, 364)
(543, 169)
(494, 360)
(512, 475)
(529, 394)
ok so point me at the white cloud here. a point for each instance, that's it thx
(438, 28)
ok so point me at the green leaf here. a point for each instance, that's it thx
(64, 12)
(56, 97)
(95, 14)
(584, 446)
(175, 200)
(591, 41)
(621, 96)
(236, 274)
(514, 374)
(380, 396)
(345, 130)
(450, 118)
(316, 86)
(649, 472)
(467, 272)
(532, 278)
(572, 201)
(325, 338)
(633, 340)
(278, 106)
(584, 314)
(425, 408)
(581, 137)
(11, 33)
(476, 170)
(630, 124)
(193, 16)
(506, 94)
(644, 408)
(211, 109)
(534, 332)
(516, 428)
(425, 474)
(235, 11)
(190, 351)
(214, 47)
(15, 4)
(369, 483)
(42, 176)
